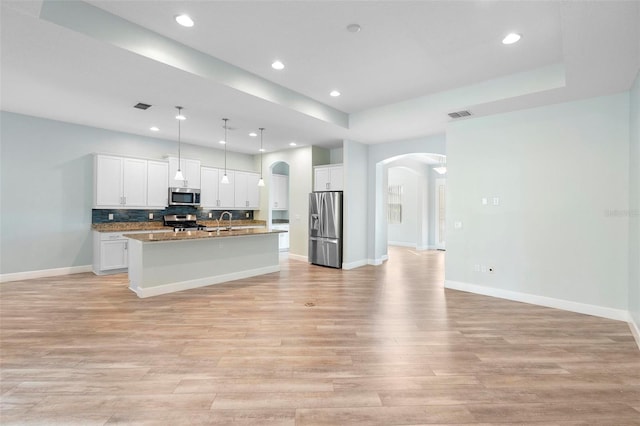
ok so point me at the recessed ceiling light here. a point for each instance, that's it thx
(184, 20)
(511, 38)
(154, 129)
(354, 28)
(223, 142)
(253, 134)
(293, 144)
(277, 65)
(334, 93)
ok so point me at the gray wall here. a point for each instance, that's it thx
(634, 204)
(559, 171)
(46, 186)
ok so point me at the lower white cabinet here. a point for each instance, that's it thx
(110, 253)
(283, 238)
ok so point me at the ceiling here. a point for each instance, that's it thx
(411, 64)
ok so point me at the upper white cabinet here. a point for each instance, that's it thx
(157, 184)
(214, 193)
(279, 192)
(120, 182)
(190, 170)
(246, 190)
(328, 178)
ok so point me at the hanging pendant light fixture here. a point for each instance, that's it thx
(179, 117)
(225, 179)
(261, 181)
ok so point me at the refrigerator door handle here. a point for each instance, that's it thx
(328, 240)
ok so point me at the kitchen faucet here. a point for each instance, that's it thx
(220, 218)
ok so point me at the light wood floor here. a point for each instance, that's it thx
(379, 345)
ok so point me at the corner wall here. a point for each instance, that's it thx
(634, 208)
(354, 231)
(557, 237)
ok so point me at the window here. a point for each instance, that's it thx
(394, 204)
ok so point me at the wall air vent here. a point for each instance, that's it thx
(140, 105)
(459, 114)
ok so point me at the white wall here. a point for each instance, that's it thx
(405, 233)
(355, 205)
(46, 186)
(559, 171)
(634, 206)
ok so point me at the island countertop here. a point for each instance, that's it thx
(159, 225)
(197, 235)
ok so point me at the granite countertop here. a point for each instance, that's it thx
(197, 235)
(158, 225)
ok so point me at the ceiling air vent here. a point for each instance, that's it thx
(140, 105)
(459, 114)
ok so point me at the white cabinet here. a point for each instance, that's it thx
(226, 191)
(157, 184)
(110, 252)
(246, 190)
(209, 181)
(328, 178)
(190, 170)
(214, 193)
(283, 237)
(279, 192)
(120, 182)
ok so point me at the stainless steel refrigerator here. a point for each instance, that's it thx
(325, 228)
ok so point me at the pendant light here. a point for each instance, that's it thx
(225, 179)
(179, 117)
(261, 181)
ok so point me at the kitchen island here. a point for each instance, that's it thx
(167, 262)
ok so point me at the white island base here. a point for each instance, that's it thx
(159, 265)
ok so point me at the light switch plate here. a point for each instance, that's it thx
(496, 201)
(110, 216)
(457, 224)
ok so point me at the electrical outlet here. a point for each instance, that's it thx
(150, 216)
(484, 201)
(210, 215)
(457, 224)
(246, 215)
(110, 216)
(496, 201)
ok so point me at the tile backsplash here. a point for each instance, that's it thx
(121, 215)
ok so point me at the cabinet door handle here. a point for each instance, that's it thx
(126, 245)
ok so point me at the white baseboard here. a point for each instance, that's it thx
(201, 282)
(298, 257)
(401, 244)
(549, 302)
(635, 330)
(353, 265)
(29, 275)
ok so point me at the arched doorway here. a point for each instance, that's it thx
(425, 196)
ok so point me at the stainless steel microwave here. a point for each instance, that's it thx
(184, 197)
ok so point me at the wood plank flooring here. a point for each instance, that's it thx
(380, 345)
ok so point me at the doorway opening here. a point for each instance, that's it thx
(410, 203)
(279, 202)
